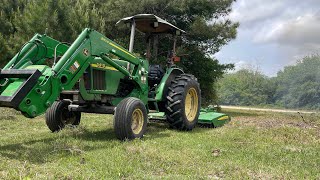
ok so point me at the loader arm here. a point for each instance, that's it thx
(30, 86)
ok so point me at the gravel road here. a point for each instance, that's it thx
(268, 110)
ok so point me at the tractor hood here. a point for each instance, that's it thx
(149, 23)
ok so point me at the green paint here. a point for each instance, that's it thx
(207, 116)
(165, 78)
(217, 119)
(12, 87)
(90, 51)
(89, 48)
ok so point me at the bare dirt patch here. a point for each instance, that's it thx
(274, 120)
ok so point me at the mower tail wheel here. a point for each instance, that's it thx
(183, 102)
(58, 115)
(130, 119)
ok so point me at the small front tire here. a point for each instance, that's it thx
(58, 116)
(130, 119)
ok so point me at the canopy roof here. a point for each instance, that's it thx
(149, 23)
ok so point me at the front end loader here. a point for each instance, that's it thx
(96, 75)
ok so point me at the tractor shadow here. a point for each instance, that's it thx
(71, 142)
(62, 144)
(157, 129)
(161, 129)
(28, 151)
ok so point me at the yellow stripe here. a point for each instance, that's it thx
(103, 67)
(118, 47)
(94, 65)
(224, 118)
(111, 68)
(121, 49)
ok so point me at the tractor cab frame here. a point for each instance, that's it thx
(152, 26)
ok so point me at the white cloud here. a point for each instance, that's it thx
(275, 32)
(242, 65)
(305, 29)
(245, 64)
(289, 24)
(250, 13)
(301, 30)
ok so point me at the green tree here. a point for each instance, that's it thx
(7, 28)
(207, 70)
(246, 87)
(3, 48)
(206, 30)
(299, 85)
(62, 20)
(7, 8)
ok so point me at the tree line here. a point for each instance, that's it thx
(205, 22)
(296, 86)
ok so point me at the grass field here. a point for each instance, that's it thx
(255, 145)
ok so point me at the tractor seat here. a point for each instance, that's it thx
(155, 74)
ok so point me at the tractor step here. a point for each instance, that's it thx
(70, 92)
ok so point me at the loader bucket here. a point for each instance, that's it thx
(15, 84)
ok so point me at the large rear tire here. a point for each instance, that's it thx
(58, 116)
(183, 102)
(130, 119)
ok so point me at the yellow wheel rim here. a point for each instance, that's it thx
(137, 121)
(191, 104)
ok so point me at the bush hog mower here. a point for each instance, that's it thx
(96, 75)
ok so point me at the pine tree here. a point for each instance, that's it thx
(207, 30)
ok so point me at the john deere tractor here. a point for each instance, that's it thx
(96, 75)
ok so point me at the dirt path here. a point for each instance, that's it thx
(268, 110)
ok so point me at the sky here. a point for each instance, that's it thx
(273, 34)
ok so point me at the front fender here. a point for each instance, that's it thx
(162, 88)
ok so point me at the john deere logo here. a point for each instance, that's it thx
(86, 52)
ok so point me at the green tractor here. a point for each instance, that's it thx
(96, 75)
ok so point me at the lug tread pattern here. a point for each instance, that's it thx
(175, 99)
(53, 117)
(122, 118)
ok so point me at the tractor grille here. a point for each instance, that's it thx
(99, 80)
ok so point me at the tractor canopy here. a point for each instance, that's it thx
(149, 23)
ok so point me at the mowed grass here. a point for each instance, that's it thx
(255, 145)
